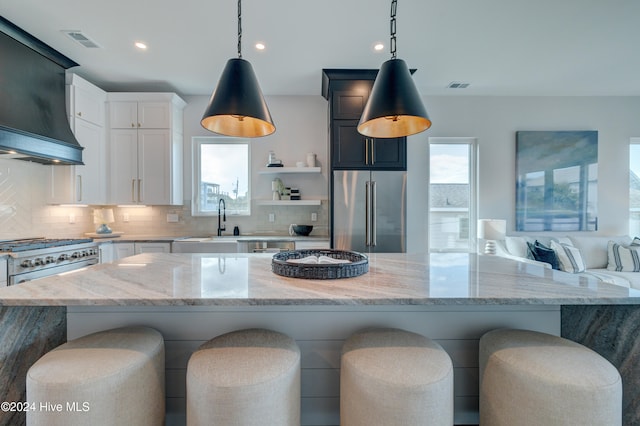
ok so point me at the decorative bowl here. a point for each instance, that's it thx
(302, 229)
(358, 264)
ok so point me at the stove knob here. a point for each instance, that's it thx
(75, 255)
(27, 263)
(62, 257)
(84, 253)
(49, 259)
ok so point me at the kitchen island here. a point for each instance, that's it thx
(451, 298)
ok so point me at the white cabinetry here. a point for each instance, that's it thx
(142, 115)
(311, 244)
(121, 250)
(105, 251)
(145, 143)
(159, 247)
(83, 184)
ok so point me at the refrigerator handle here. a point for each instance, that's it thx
(374, 212)
(367, 214)
(366, 151)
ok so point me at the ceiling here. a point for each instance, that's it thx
(499, 47)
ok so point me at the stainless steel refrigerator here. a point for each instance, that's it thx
(369, 211)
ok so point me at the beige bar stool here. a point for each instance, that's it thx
(112, 377)
(532, 378)
(247, 377)
(395, 377)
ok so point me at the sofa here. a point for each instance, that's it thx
(608, 259)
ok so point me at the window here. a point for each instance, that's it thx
(634, 187)
(221, 172)
(452, 199)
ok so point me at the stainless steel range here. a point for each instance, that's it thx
(34, 258)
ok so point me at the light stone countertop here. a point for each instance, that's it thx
(125, 238)
(162, 279)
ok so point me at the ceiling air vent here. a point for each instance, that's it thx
(457, 85)
(78, 37)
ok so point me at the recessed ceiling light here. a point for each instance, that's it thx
(140, 45)
(260, 46)
(457, 85)
(378, 47)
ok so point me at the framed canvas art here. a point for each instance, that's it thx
(556, 180)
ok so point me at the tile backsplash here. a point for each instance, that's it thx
(23, 213)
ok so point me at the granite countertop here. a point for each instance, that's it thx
(132, 238)
(163, 279)
(125, 238)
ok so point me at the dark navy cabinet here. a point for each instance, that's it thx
(347, 92)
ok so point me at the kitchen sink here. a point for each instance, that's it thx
(225, 238)
(225, 244)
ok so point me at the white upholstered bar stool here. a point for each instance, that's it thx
(112, 377)
(246, 377)
(395, 377)
(532, 378)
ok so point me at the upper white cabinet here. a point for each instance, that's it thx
(83, 184)
(143, 115)
(86, 101)
(145, 144)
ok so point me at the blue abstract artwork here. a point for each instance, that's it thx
(556, 180)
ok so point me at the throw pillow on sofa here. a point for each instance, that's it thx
(623, 258)
(594, 248)
(569, 257)
(542, 253)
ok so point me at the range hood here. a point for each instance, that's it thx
(33, 117)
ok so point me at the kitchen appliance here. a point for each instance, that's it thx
(265, 246)
(34, 258)
(369, 211)
(33, 124)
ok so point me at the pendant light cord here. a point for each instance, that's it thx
(240, 29)
(392, 44)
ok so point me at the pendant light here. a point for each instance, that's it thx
(394, 108)
(237, 107)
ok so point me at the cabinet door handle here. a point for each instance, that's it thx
(367, 213)
(139, 185)
(138, 124)
(79, 113)
(79, 188)
(133, 124)
(133, 190)
(366, 151)
(373, 152)
(374, 212)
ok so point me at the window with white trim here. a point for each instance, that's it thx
(452, 194)
(221, 172)
(634, 187)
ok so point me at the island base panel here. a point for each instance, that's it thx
(320, 332)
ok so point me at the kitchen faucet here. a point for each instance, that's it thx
(224, 216)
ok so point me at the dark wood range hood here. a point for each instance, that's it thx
(33, 117)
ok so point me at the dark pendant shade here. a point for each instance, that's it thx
(394, 108)
(237, 107)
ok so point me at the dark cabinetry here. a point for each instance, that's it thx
(351, 150)
(347, 92)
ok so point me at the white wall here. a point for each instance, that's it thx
(302, 126)
(494, 121)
